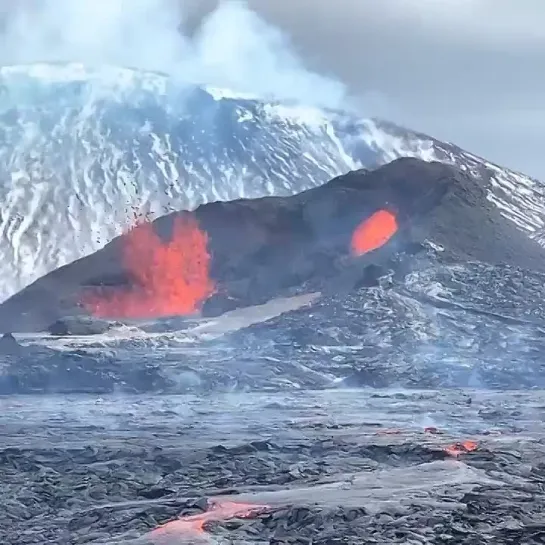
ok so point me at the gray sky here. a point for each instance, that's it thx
(468, 71)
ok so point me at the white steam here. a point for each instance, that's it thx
(234, 48)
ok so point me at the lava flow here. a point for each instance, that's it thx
(373, 232)
(193, 525)
(458, 449)
(168, 278)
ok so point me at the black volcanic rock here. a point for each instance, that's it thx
(42, 370)
(79, 325)
(9, 345)
(262, 248)
(218, 305)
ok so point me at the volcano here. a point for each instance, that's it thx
(226, 255)
(116, 143)
(285, 329)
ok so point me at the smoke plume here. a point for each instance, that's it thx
(232, 48)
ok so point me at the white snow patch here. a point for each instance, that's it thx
(306, 115)
(218, 93)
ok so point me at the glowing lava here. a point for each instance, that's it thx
(193, 525)
(433, 430)
(373, 232)
(461, 448)
(168, 278)
(389, 432)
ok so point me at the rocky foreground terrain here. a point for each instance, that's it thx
(334, 467)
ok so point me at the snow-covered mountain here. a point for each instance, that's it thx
(82, 151)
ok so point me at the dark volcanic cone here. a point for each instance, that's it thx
(244, 252)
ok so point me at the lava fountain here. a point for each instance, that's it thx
(373, 232)
(167, 278)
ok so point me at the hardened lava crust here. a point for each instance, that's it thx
(335, 467)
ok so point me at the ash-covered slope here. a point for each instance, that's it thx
(268, 247)
(84, 149)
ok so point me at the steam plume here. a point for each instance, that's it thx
(233, 48)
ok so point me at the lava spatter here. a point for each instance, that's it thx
(168, 278)
(373, 232)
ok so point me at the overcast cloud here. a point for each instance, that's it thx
(467, 71)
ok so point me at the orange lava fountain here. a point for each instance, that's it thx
(168, 278)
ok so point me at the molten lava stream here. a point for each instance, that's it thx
(373, 232)
(168, 278)
(192, 526)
